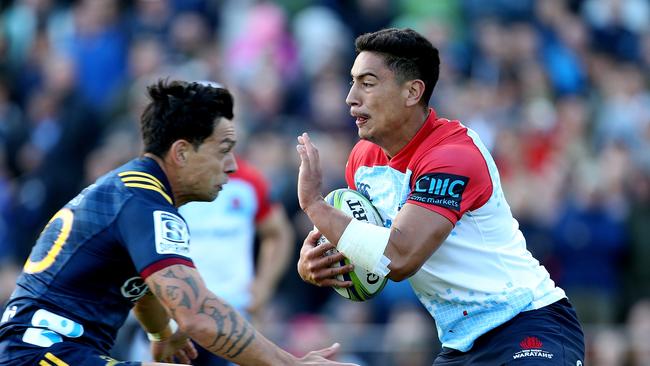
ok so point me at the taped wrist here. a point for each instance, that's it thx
(167, 332)
(364, 245)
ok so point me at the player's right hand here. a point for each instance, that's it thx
(321, 357)
(315, 267)
(177, 346)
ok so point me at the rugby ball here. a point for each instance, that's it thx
(365, 285)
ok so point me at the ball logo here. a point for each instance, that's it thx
(372, 278)
(134, 288)
(440, 189)
(356, 208)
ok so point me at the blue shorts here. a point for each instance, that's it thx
(15, 352)
(550, 336)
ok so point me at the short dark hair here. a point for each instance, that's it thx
(407, 53)
(182, 110)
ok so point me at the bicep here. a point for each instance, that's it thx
(416, 234)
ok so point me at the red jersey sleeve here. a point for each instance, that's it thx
(451, 180)
(351, 167)
(260, 185)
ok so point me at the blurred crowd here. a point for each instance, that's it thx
(559, 91)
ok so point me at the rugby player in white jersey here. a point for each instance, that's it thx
(448, 228)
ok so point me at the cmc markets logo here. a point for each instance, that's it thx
(532, 347)
(440, 189)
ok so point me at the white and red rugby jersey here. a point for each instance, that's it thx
(482, 275)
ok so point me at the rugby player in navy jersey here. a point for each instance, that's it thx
(121, 244)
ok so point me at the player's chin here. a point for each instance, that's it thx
(208, 196)
(364, 134)
(213, 195)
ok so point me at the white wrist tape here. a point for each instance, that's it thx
(161, 336)
(364, 245)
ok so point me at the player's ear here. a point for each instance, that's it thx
(413, 90)
(179, 151)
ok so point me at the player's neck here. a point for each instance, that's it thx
(169, 173)
(401, 137)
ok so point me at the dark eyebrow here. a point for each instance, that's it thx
(361, 76)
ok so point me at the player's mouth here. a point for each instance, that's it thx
(360, 119)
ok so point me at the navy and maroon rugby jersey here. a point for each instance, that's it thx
(88, 266)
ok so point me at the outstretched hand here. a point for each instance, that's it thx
(315, 267)
(177, 345)
(321, 357)
(310, 176)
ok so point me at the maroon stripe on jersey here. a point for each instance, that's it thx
(157, 266)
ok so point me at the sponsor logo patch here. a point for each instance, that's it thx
(134, 288)
(532, 347)
(440, 189)
(364, 189)
(172, 236)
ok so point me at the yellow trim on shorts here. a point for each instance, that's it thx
(57, 361)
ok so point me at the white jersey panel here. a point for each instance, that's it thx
(221, 241)
(482, 275)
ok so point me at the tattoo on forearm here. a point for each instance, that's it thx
(237, 329)
(233, 334)
(157, 290)
(219, 319)
(244, 346)
(245, 329)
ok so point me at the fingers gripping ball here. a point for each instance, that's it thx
(365, 285)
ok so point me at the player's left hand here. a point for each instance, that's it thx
(315, 267)
(177, 346)
(310, 176)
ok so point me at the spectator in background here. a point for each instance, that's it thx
(62, 128)
(95, 38)
(223, 244)
(638, 324)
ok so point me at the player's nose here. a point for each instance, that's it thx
(230, 165)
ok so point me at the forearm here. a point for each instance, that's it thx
(273, 262)
(210, 321)
(151, 314)
(328, 220)
(223, 331)
(276, 242)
